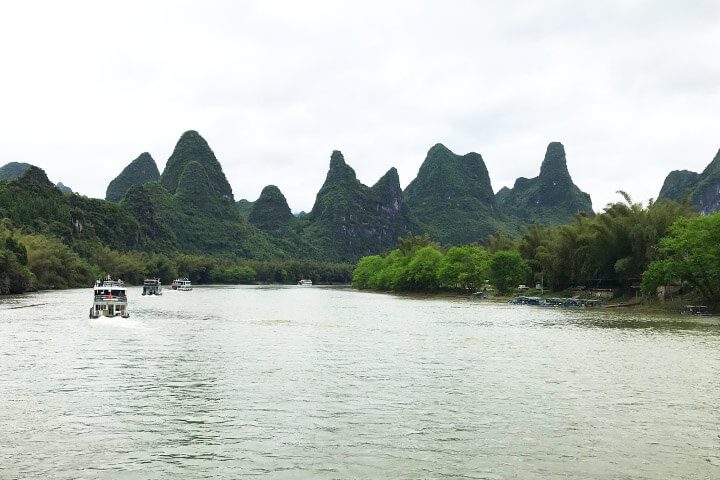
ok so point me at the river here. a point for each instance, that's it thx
(327, 382)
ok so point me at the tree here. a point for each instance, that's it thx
(501, 242)
(691, 254)
(55, 265)
(464, 267)
(364, 275)
(507, 270)
(423, 268)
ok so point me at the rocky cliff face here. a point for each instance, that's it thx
(142, 169)
(704, 188)
(350, 219)
(452, 198)
(193, 148)
(271, 211)
(550, 198)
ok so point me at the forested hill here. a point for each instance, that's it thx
(13, 170)
(452, 198)
(190, 207)
(702, 189)
(142, 169)
(551, 198)
(350, 219)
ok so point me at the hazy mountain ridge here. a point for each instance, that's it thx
(12, 170)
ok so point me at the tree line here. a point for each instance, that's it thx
(40, 262)
(628, 246)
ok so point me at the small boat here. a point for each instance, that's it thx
(305, 282)
(110, 299)
(152, 286)
(697, 310)
(182, 284)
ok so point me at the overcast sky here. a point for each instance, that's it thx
(631, 88)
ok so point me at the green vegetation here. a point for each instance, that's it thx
(193, 148)
(507, 270)
(15, 276)
(689, 254)
(677, 184)
(611, 250)
(50, 239)
(701, 188)
(245, 207)
(271, 212)
(187, 224)
(13, 170)
(142, 169)
(350, 219)
(420, 265)
(452, 199)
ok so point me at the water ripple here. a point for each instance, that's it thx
(332, 383)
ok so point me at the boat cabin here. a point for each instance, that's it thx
(109, 298)
(152, 286)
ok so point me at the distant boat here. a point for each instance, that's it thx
(182, 284)
(152, 286)
(305, 282)
(697, 310)
(109, 299)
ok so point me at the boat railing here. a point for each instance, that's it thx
(103, 297)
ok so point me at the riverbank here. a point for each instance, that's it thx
(636, 304)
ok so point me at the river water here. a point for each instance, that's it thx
(328, 382)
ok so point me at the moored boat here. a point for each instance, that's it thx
(696, 310)
(305, 282)
(109, 299)
(152, 286)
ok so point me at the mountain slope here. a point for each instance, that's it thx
(271, 211)
(452, 198)
(350, 220)
(13, 170)
(193, 148)
(550, 198)
(704, 187)
(142, 169)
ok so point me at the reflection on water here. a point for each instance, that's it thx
(629, 319)
(290, 382)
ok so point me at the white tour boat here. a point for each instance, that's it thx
(305, 282)
(152, 286)
(182, 284)
(110, 299)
